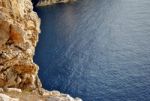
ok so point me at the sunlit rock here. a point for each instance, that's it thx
(4, 97)
(19, 31)
(50, 2)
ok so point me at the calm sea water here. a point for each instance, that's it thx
(98, 50)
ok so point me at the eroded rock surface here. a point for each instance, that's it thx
(4, 97)
(17, 95)
(19, 29)
(50, 2)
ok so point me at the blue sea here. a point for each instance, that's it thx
(98, 50)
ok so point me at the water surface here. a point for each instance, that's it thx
(98, 50)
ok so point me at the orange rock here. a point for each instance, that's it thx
(4, 36)
(27, 68)
(2, 82)
(16, 35)
(4, 32)
(19, 29)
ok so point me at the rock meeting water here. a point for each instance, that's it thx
(98, 50)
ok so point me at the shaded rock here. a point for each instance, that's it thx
(2, 82)
(4, 32)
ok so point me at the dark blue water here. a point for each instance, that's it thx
(98, 50)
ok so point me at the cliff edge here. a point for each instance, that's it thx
(19, 31)
(51, 2)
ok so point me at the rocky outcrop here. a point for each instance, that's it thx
(19, 30)
(16, 95)
(51, 2)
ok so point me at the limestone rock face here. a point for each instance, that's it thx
(4, 97)
(16, 95)
(19, 29)
(50, 2)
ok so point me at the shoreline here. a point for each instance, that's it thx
(19, 81)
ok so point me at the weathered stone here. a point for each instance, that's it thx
(19, 29)
(4, 97)
(1, 90)
(25, 68)
(16, 35)
(55, 93)
(4, 32)
(2, 82)
(50, 2)
(14, 90)
(30, 24)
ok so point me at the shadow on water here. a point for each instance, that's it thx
(96, 49)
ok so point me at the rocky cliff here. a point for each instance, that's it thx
(50, 2)
(19, 30)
